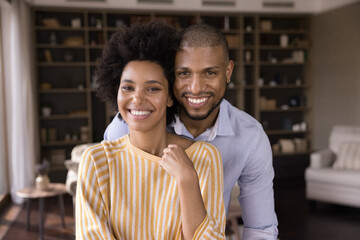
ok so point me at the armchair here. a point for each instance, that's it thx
(72, 166)
(334, 173)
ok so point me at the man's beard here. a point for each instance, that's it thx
(203, 117)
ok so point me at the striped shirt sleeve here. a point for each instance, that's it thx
(213, 225)
(92, 221)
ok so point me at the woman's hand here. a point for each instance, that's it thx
(177, 163)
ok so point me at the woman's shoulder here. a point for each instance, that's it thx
(208, 147)
(116, 144)
(106, 146)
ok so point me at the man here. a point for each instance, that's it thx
(203, 70)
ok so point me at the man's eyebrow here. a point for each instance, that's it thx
(182, 68)
(210, 68)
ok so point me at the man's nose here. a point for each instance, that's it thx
(197, 84)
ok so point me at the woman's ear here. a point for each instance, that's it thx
(170, 102)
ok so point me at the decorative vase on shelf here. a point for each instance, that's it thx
(53, 38)
(46, 111)
(68, 56)
(247, 56)
(284, 40)
(42, 182)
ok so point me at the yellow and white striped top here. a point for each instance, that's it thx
(124, 193)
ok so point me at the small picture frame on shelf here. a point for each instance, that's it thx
(300, 144)
(287, 145)
(51, 22)
(48, 57)
(266, 25)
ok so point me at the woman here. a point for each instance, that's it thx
(145, 185)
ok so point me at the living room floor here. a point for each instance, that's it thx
(296, 220)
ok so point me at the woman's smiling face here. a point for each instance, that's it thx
(143, 96)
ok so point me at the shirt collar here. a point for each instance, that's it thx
(222, 126)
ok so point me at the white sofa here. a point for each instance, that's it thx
(334, 173)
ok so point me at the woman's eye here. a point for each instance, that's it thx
(127, 88)
(153, 89)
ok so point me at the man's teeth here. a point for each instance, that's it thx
(197, 100)
(139, 113)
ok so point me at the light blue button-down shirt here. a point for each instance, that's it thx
(247, 159)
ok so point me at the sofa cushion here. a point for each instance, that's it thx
(348, 156)
(333, 176)
(340, 134)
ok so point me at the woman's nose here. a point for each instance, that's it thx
(138, 97)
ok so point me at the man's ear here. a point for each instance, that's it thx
(229, 69)
(170, 102)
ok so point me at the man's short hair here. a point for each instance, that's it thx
(204, 35)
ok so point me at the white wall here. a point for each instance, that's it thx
(336, 71)
(301, 6)
(326, 5)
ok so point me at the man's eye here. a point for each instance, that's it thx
(211, 73)
(183, 73)
(127, 88)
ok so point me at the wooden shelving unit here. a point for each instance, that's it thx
(263, 68)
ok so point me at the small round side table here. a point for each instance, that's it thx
(28, 193)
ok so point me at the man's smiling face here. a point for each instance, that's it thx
(201, 77)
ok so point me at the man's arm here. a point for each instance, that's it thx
(256, 191)
(260, 234)
(116, 129)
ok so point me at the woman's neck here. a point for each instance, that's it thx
(152, 142)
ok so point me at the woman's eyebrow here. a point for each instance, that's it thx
(127, 80)
(154, 81)
(147, 82)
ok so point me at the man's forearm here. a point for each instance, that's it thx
(269, 233)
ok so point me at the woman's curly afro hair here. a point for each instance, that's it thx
(154, 41)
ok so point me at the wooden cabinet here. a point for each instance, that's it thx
(65, 90)
(283, 83)
(270, 79)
